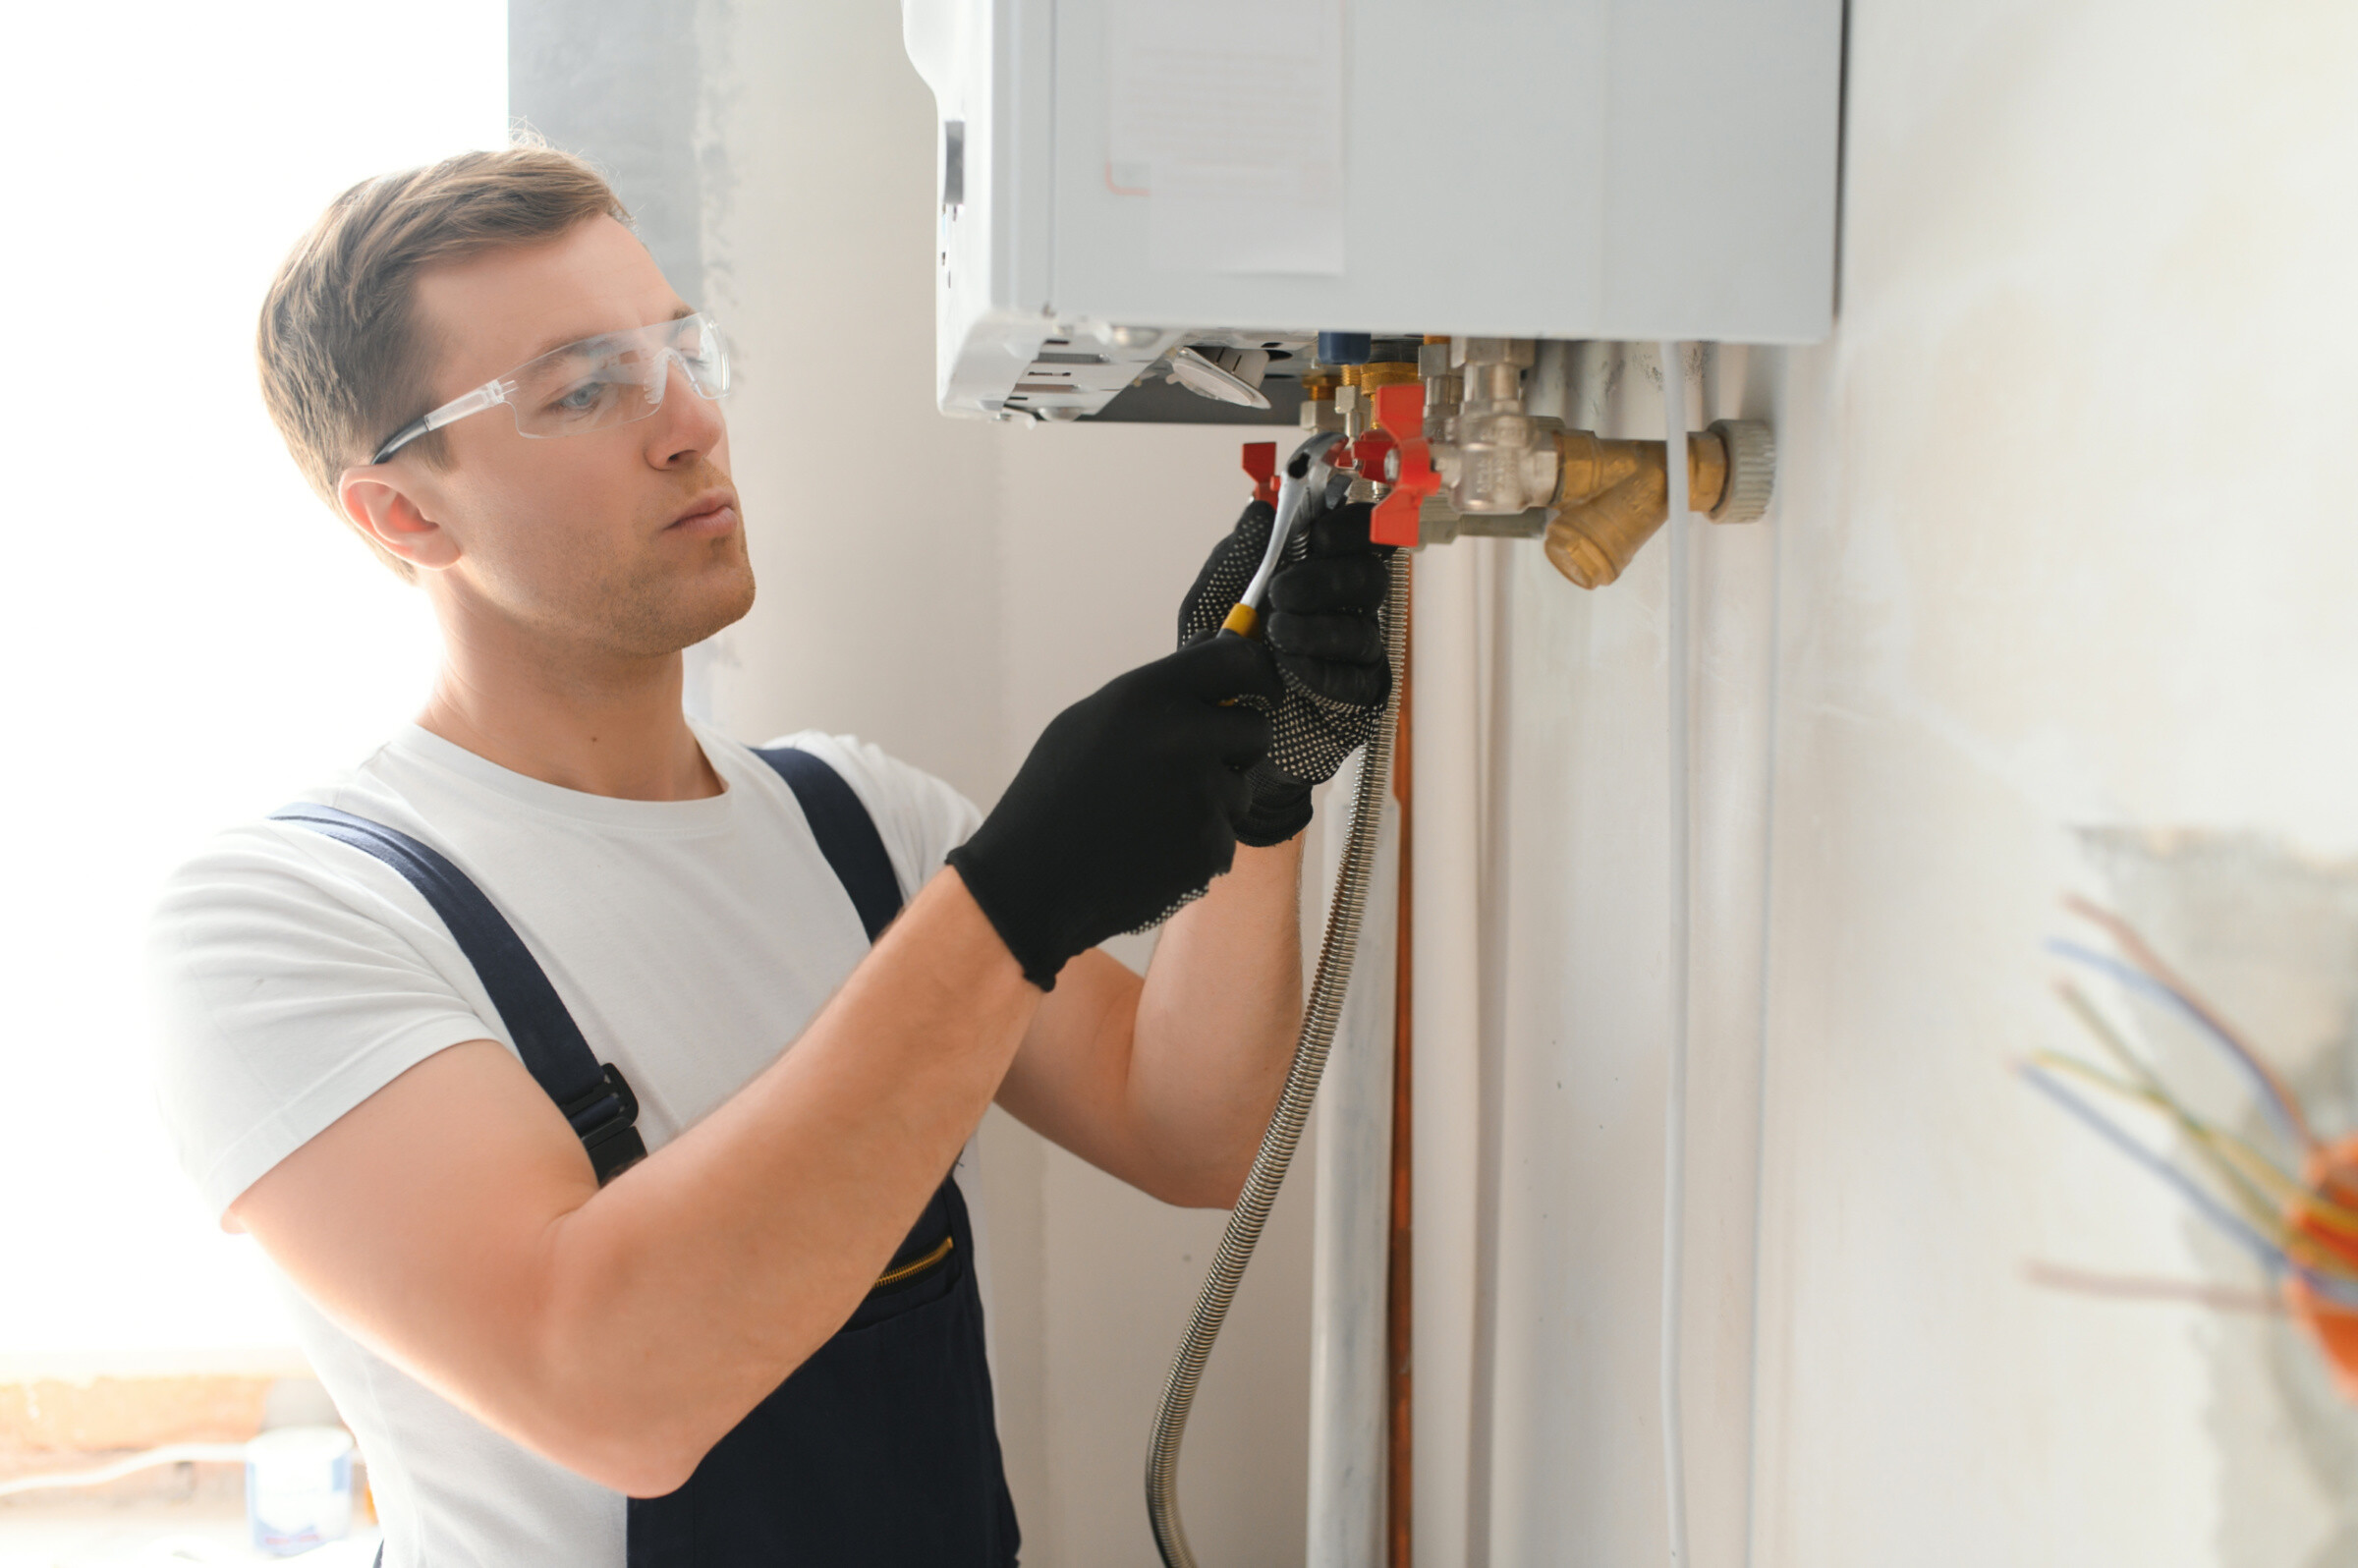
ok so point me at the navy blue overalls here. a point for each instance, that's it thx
(881, 1450)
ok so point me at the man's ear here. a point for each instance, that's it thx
(383, 504)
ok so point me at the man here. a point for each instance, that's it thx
(759, 1342)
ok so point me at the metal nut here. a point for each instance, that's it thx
(1751, 471)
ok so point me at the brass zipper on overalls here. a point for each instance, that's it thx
(893, 1276)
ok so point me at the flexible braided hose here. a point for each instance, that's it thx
(1320, 1015)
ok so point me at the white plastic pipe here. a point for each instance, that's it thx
(1674, 1093)
(1349, 1389)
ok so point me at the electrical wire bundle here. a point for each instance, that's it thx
(2304, 1230)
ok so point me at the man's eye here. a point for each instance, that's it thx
(580, 399)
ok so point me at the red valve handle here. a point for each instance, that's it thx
(1400, 410)
(1261, 466)
(1365, 455)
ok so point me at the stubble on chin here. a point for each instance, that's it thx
(661, 613)
(650, 607)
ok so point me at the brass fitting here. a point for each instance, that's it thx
(1319, 411)
(1614, 495)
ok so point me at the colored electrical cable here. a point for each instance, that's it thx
(2274, 1100)
(2142, 954)
(2342, 1292)
(2101, 1027)
(2264, 1170)
(2263, 1190)
(2132, 1287)
(2282, 1189)
(2260, 1210)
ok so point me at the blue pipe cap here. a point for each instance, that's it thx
(1345, 348)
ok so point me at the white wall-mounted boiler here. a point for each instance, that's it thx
(1119, 178)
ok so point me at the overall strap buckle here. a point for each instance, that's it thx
(604, 1117)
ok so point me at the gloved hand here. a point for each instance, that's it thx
(1126, 807)
(1321, 622)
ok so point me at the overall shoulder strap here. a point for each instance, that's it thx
(595, 1098)
(847, 835)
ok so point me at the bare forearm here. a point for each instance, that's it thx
(725, 1260)
(620, 1331)
(1216, 1022)
(1166, 1082)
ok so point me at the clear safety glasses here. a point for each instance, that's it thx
(609, 379)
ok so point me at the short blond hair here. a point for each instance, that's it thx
(343, 363)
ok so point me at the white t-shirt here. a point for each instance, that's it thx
(692, 940)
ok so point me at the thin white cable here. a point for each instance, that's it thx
(169, 1454)
(1675, 1095)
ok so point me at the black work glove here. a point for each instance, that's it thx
(1127, 806)
(1322, 621)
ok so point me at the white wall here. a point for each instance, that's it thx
(2066, 548)
(943, 589)
(2053, 597)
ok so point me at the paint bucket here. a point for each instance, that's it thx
(298, 1489)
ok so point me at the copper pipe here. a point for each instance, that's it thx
(1616, 494)
(1399, 1281)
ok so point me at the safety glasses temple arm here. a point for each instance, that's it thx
(458, 408)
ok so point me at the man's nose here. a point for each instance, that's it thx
(687, 425)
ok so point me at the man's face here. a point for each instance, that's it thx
(621, 541)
